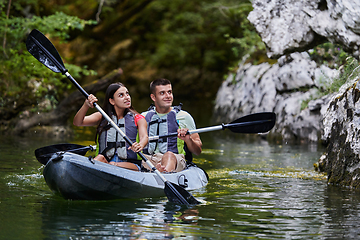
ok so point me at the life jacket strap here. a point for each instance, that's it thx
(107, 127)
(111, 145)
(157, 121)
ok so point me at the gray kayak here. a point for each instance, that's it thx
(75, 177)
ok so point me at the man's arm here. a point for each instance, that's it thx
(193, 141)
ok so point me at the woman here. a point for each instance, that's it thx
(112, 146)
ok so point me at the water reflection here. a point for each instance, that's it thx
(144, 219)
(342, 212)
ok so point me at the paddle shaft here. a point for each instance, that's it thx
(213, 128)
(90, 147)
(200, 130)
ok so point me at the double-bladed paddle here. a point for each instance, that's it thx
(44, 51)
(44, 154)
(253, 123)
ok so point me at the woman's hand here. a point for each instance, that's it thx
(136, 147)
(81, 119)
(91, 100)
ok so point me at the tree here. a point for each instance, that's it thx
(23, 82)
(189, 42)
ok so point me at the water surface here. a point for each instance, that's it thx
(257, 190)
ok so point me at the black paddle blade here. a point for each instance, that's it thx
(253, 123)
(178, 195)
(44, 51)
(45, 153)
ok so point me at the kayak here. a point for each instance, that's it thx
(78, 177)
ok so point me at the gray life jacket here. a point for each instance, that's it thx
(111, 142)
(164, 125)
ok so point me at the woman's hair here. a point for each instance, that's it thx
(109, 108)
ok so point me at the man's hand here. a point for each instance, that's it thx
(183, 134)
(192, 141)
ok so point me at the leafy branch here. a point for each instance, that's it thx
(21, 76)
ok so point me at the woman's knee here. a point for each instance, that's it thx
(101, 158)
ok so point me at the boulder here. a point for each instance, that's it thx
(341, 122)
(281, 88)
(289, 26)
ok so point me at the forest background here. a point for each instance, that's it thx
(192, 43)
(195, 44)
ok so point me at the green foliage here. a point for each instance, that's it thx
(333, 56)
(193, 43)
(191, 34)
(249, 43)
(329, 54)
(21, 75)
(188, 42)
(347, 72)
(184, 41)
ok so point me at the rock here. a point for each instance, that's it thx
(294, 25)
(279, 88)
(341, 122)
(324, 75)
(244, 93)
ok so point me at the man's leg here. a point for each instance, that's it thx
(168, 163)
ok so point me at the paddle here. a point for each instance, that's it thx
(45, 52)
(253, 123)
(45, 153)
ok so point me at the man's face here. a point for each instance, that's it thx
(163, 97)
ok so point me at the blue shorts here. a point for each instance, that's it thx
(117, 159)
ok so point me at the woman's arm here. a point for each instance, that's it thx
(81, 119)
(143, 136)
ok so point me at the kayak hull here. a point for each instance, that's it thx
(79, 178)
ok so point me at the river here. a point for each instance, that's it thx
(257, 190)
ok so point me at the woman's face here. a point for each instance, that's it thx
(121, 98)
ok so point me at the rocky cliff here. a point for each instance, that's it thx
(290, 88)
(293, 25)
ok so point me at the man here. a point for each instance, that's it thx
(168, 154)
